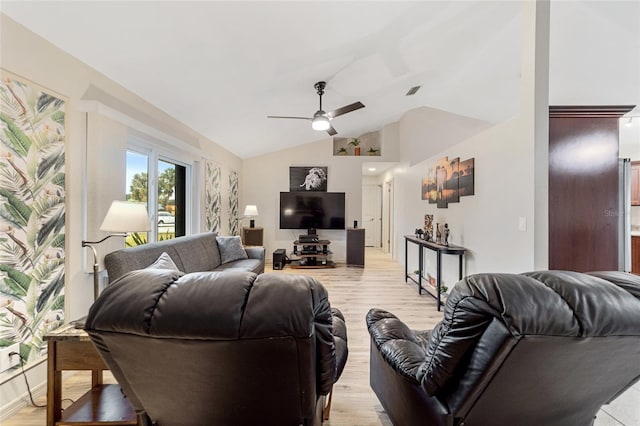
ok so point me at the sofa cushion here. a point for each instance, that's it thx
(192, 253)
(231, 249)
(252, 265)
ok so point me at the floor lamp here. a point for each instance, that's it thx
(122, 217)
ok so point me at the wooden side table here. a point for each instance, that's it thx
(252, 236)
(70, 348)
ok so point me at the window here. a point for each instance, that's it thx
(163, 185)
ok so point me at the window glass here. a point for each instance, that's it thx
(162, 185)
(171, 200)
(137, 190)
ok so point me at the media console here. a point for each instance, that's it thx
(311, 254)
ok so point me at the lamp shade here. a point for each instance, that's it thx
(124, 216)
(250, 210)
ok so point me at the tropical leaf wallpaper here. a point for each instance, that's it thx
(233, 203)
(213, 197)
(32, 215)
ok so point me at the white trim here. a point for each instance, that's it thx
(102, 109)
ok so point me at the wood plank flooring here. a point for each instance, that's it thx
(354, 291)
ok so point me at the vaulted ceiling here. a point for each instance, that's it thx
(222, 67)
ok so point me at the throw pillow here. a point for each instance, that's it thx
(163, 262)
(231, 249)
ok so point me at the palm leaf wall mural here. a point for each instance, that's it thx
(213, 197)
(32, 215)
(233, 203)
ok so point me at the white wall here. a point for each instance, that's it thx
(485, 223)
(267, 175)
(630, 139)
(118, 114)
(509, 162)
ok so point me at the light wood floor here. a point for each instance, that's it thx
(354, 291)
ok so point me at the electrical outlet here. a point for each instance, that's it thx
(6, 361)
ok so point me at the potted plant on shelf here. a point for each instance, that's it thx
(342, 151)
(373, 151)
(356, 148)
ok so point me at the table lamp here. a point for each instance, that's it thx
(251, 211)
(121, 218)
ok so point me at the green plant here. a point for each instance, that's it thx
(354, 141)
(372, 150)
(342, 150)
(138, 239)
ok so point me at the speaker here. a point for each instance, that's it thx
(279, 259)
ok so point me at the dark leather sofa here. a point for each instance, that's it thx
(536, 349)
(220, 348)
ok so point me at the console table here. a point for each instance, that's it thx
(70, 348)
(440, 249)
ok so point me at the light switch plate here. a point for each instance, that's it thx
(522, 223)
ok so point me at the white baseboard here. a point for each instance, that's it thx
(22, 401)
(37, 375)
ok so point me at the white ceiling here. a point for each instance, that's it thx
(222, 67)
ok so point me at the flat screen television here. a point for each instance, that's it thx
(312, 210)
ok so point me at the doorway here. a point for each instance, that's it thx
(372, 214)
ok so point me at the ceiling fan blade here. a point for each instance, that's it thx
(345, 109)
(283, 116)
(332, 131)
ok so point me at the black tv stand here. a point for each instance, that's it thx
(311, 255)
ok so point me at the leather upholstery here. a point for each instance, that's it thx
(232, 348)
(545, 347)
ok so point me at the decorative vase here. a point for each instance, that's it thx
(356, 150)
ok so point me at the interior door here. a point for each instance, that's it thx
(372, 214)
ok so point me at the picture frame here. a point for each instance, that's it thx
(312, 178)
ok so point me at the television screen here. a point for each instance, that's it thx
(312, 210)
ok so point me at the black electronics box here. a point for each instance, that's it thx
(308, 238)
(279, 259)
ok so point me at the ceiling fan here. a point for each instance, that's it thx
(321, 120)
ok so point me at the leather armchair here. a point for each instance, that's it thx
(541, 348)
(220, 348)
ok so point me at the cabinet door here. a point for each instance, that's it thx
(635, 255)
(635, 183)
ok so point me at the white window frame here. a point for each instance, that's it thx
(156, 152)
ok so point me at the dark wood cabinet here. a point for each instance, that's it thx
(355, 247)
(583, 188)
(635, 255)
(252, 236)
(635, 183)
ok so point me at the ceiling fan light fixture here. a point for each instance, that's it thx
(320, 121)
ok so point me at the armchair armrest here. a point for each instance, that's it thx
(340, 340)
(255, 252)
(403, 349)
